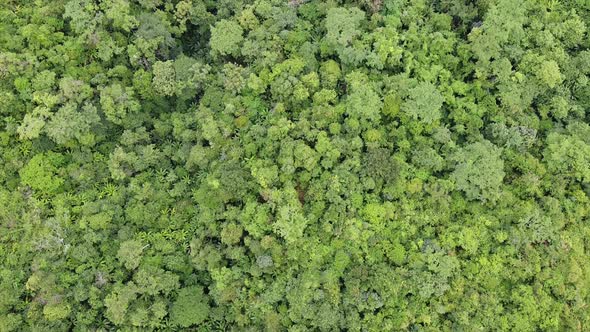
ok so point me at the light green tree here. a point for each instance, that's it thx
(226, 37)
(478, 170)
(190, 308)
(424, 103)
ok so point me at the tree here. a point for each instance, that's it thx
(567, 153)
(363, 102)
(330, 73)
(164, 78)
(226, 37)
(118, 301)
(478, 170)
(40, 173)
(130, 253)
(118, 102)
(343, 28)
(118, 12)
(69, 123)
(549, 73)
(190, 307)
(424, 103)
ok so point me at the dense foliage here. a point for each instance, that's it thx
(293, 165)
